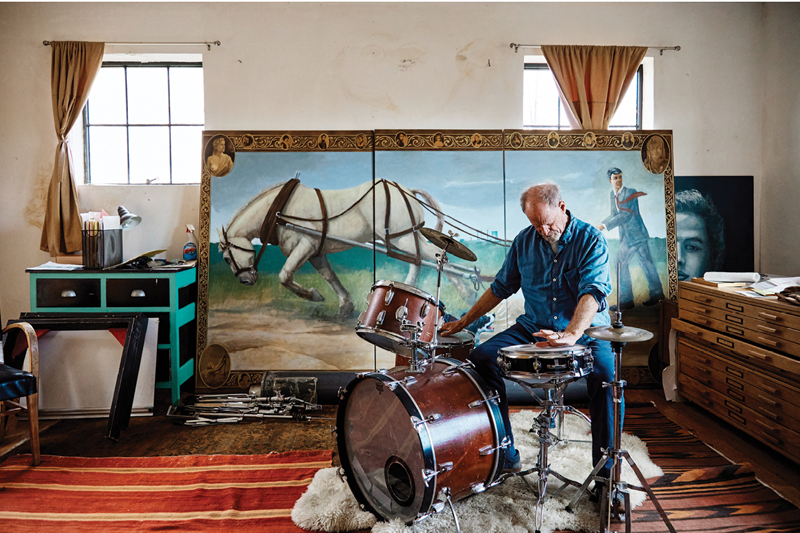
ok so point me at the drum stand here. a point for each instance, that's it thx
(552, 408)
(615, 498)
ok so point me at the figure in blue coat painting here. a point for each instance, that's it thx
(633, 241)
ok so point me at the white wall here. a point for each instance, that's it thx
(363, 65)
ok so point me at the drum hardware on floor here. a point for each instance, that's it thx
(551, 369)
(615, 498)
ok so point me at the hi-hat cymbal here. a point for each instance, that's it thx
(622, 334)
(449, 243)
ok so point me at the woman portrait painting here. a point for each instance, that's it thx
(219, 156)
(655, 154)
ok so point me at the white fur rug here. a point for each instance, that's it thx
(328, 504)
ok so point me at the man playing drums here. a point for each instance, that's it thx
(561, 265)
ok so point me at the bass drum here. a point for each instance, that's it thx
(403, 437)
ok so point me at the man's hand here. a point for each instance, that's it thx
(556, 338)
(601, 227)
(448, 328)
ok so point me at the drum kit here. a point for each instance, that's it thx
(417, 438)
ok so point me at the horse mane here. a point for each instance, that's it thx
(253, 200)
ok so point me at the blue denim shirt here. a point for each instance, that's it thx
(553, 284)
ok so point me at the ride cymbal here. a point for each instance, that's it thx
(449, 244)
(622, 334)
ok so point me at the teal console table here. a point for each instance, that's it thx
(170, 295)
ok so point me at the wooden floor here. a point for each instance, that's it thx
(158, 435)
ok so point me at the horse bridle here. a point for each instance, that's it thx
(226, 247)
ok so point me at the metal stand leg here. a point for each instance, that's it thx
(615, 499)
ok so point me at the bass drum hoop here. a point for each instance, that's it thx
(495, 419)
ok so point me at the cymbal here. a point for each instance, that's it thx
(623, 334)
(446, 241)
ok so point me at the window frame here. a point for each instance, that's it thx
(87, 171)
(638, 82)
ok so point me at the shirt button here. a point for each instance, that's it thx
(555, 260)
(554, 279)
(555, 318)
(554, 299)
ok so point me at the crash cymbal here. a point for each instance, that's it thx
(622, 334)
(447, 242)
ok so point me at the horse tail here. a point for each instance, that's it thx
(431, 201)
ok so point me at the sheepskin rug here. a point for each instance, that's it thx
(328, 504)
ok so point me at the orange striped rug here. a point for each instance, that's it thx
(187, 493)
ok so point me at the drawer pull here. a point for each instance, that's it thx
(735, 319)
(768, 414)
(68, 294)
(703, 321)
(701, 310)
(765, 328)
(762, 356)
(138, 293)
(768, 341)
(776, 442)
(770, 401)
(767, 315)
(702, 299)
(767, 426)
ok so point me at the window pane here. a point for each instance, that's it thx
(186, 145)
(186, 95)
(149, 147)
(108, 154)
(540, 104)
(107, 97)
(147, 95)
(625, 116)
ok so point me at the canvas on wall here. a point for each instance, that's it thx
(715, 225)
(281, 280)
(299, 228)
(620, 182)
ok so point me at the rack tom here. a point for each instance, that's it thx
(388, 304)
(530, 363)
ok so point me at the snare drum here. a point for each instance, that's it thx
(454, 346)
(528, 362)
(388, 304)
(403, 437)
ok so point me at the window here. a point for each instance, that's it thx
(143, 123)
(542, 107)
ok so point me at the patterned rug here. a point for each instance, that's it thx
(187, 493)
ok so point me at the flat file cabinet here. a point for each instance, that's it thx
(169, 295)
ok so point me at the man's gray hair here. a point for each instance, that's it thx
(542, 193)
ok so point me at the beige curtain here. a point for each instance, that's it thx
(74, 67)
(593, 79)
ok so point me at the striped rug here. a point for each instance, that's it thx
(187, 493)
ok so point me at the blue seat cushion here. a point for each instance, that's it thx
(16, 383)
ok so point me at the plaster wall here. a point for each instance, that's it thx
(379, 65)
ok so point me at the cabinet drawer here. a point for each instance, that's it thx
(67, 293)
(726, 302)
(701, 313)
(137, 292)
(771, 340)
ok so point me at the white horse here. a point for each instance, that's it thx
(350, 217)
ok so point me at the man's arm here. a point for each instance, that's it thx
(485, 303)
(581, 319)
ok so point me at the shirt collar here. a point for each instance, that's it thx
(569, 231)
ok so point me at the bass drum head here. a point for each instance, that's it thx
(383, 456)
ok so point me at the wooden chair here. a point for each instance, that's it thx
(16, 383)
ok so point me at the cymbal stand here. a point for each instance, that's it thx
(441, 261)
(614, 489)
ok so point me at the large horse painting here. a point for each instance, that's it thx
(303, 226)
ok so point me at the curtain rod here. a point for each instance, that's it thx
(206, 43)
(517, 46)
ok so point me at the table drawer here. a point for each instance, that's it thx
(137, 292)
(68, 293)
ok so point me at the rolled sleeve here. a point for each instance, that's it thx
(594, 273)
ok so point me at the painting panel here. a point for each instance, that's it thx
(603, 174)
(455, 184)
(715, 224)
(286, 254)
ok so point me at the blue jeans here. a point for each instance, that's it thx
(601, 400)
